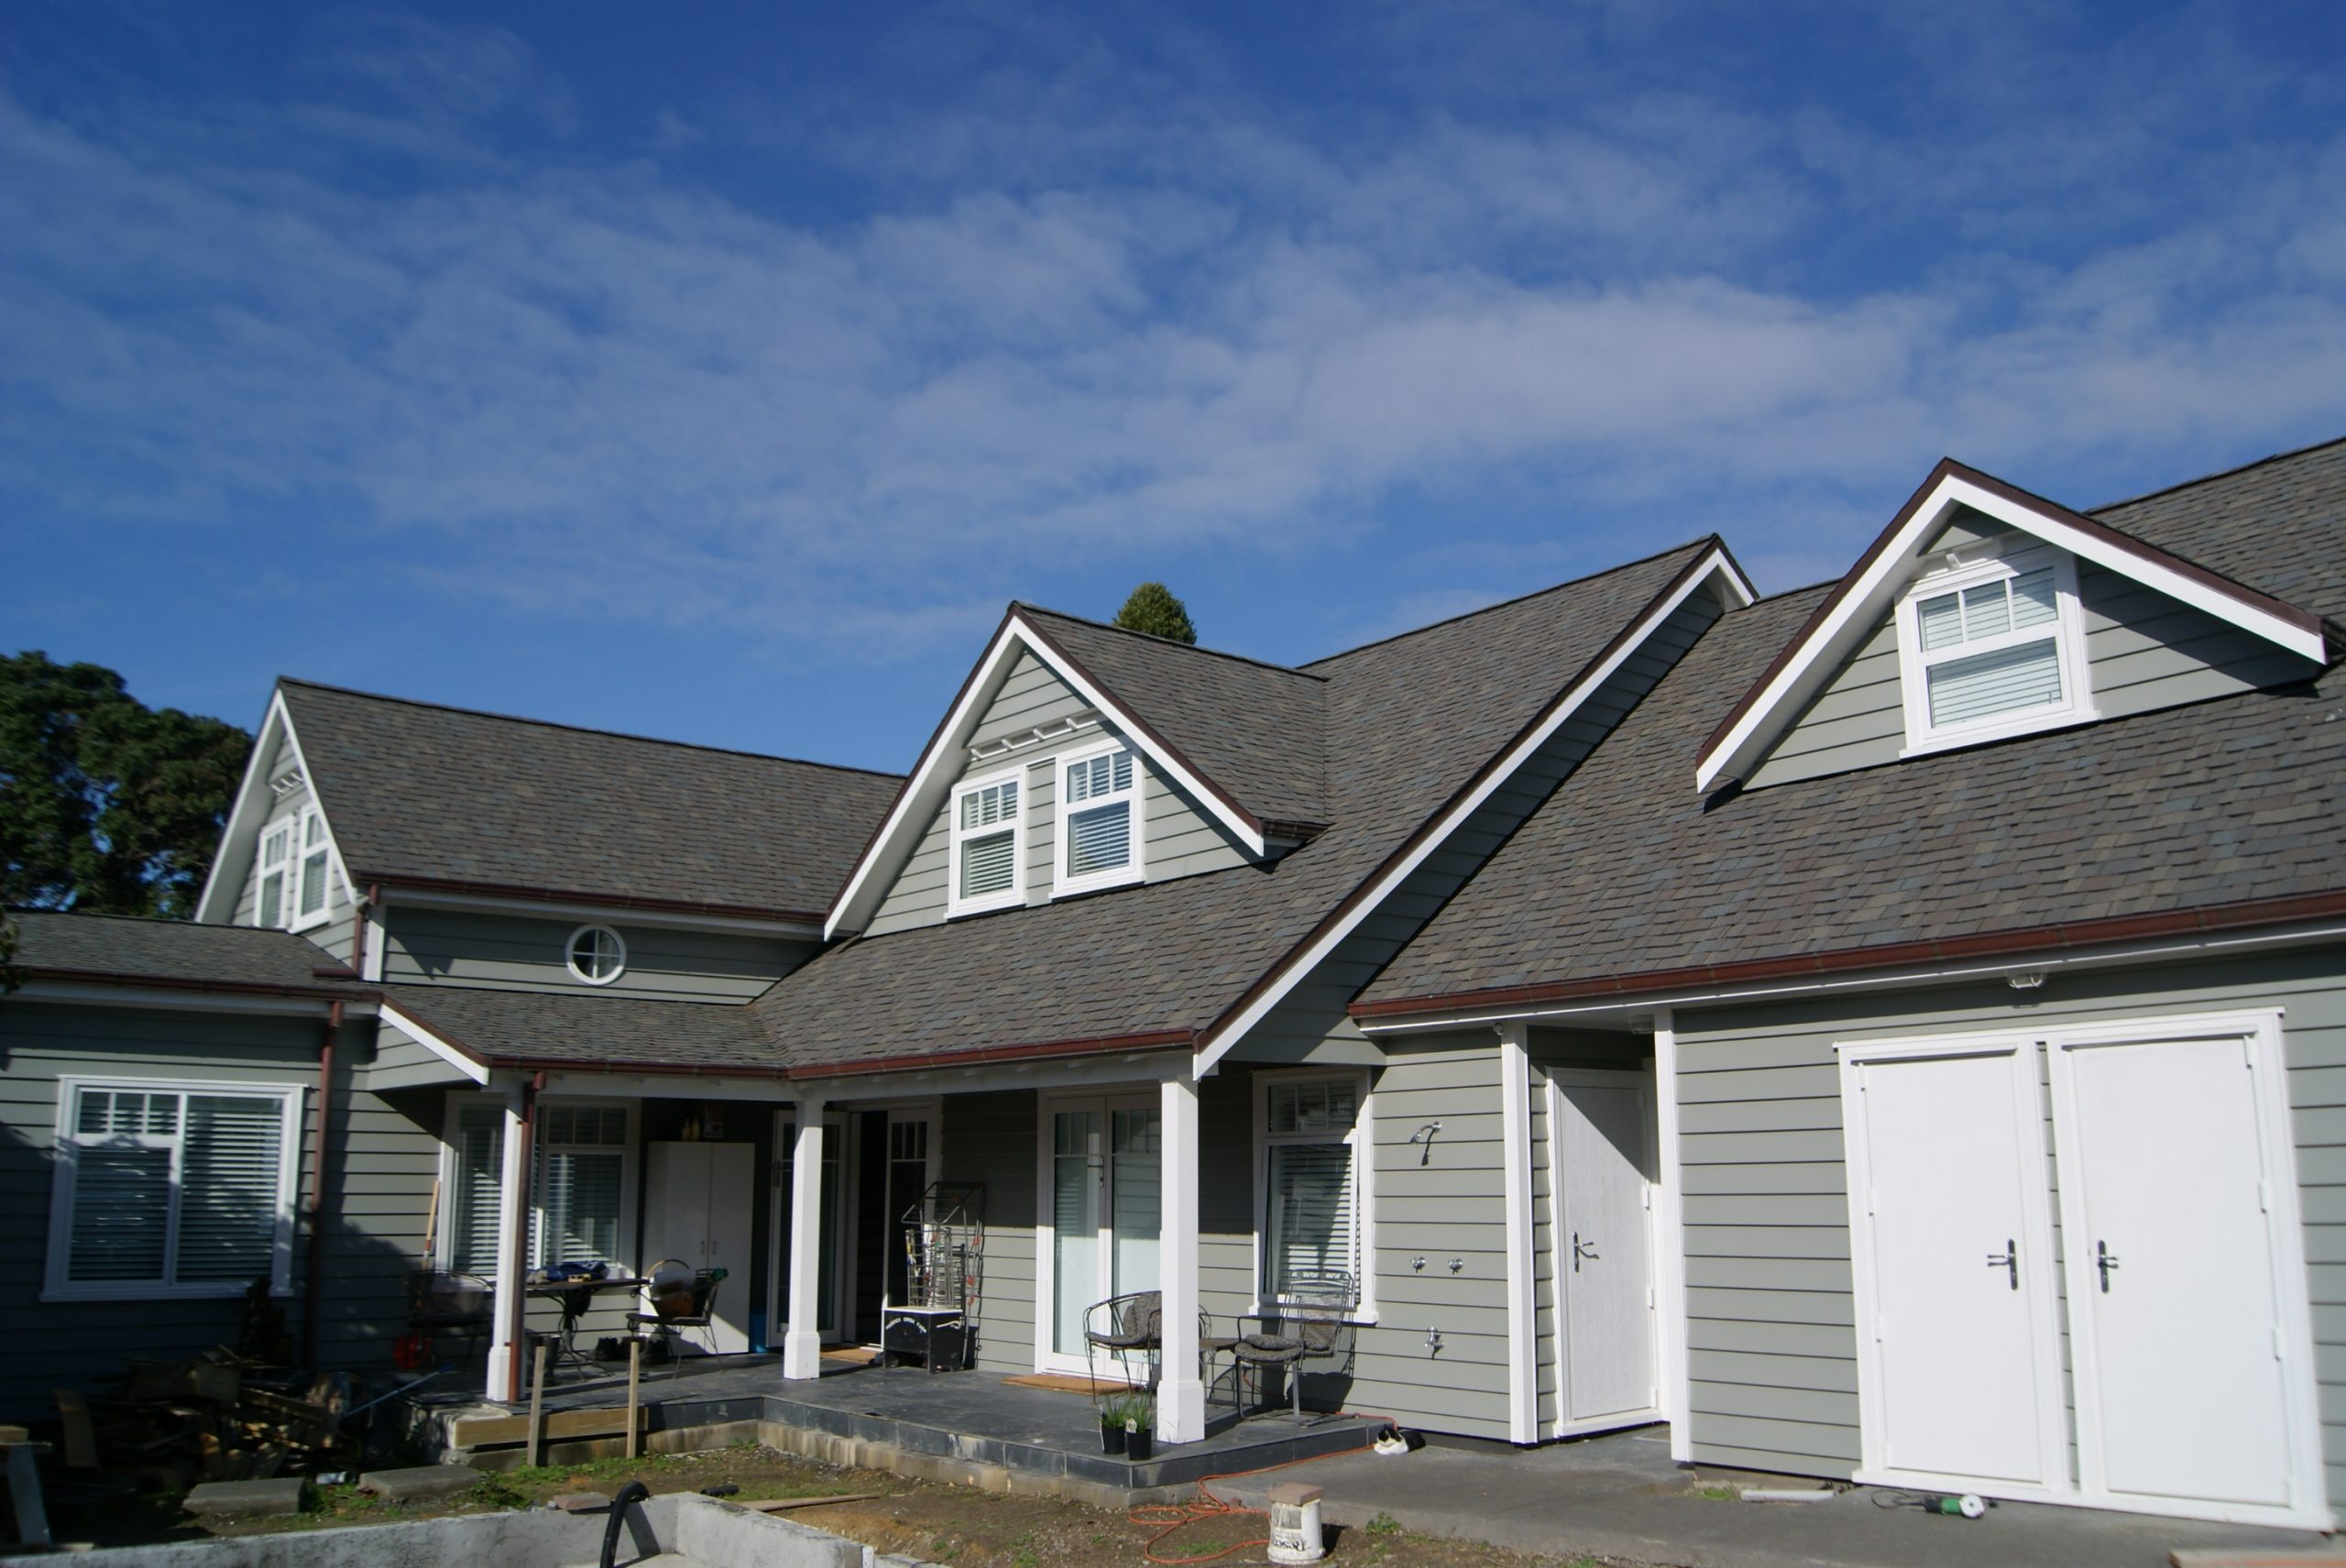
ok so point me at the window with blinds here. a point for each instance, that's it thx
(987, 838)
(1312, 1197)
(274, 902)
(1095, 820)
(180, 1190)
(578, 1190)
(1988, 651)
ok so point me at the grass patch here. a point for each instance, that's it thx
(1384, 1524)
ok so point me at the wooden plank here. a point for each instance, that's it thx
(783, 1505)
(490, 1432)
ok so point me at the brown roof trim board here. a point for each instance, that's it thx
(2020, 942)
(1147, 730)
(1711, 554)
(1947, 469)
(607, 900)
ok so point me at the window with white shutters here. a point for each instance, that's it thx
(1992, 647)
(170, 1188)
(987, 845)
(1311, 1220)
(1097, 823)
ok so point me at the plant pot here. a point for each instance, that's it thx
(1112, 1438)
(1140, 1442)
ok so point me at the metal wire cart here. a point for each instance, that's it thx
(944, 1238)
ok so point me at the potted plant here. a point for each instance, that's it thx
(1140, 1428)
(1112, 1415)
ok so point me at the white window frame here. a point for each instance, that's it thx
(1362, 1140)
(289, 869)
(1015, 893)
(57, 1287)
(570, 957)
(533, 1253)
(1133, 868)
(1969, 568)
(294, 919)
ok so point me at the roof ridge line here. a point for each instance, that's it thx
(1699, 539)
(2096, 512)
(1168, 642)
(581, 728)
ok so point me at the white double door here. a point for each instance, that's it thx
(2176, 1267)
(1601, 1137)
(696, 1204)
(1103, 1188)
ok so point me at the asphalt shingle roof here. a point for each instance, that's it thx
(442, 793)
(576, 1028)
(1410, 721)
(1255, 731)
(111, 946)
(1626, 871)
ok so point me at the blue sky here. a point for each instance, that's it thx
(719, 372)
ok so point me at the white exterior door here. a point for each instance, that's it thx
(1958, 1355)
(697, 1209)
(1604, 1247)
(1102, 1193)
(2174, 1273)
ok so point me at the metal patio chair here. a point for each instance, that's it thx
(1312, 1314)
(681, 1297)
(1122, 1326)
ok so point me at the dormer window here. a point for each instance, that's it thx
(1098, 833)
(292, 873)
(989, 843)
(1990, 646)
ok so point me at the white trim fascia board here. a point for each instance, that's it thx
(245, 818)
(1223, 1036)
(1522, 1310)
(600, 914)
(1932, 974)
(932, 783)
(423, 1036)
(158, 999)
(674, 1086)
(1670, 1244)
(338, 866)
(1824, 648)
(1143, 1069)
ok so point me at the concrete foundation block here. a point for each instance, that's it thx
(419, 1482)
(249, 1499)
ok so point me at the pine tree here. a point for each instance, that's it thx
(1153, 610)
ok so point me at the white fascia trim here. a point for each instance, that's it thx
(1715, 565)
(423, 1036)
(1822, 651)
(244, 821)
(1660, 1003)
(1522, 1311)
(931, 784)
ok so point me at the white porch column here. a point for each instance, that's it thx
(1669, 1241)
(802, 1341)
(1180, 1392)
(508, 1307)
(1522, 1271)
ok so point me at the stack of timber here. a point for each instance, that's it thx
(221, 1417)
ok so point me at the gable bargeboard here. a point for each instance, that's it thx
(1178, 839)
(2143, 651)
(334, 933)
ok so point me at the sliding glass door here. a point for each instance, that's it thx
(1101, 1195)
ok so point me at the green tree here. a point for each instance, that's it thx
(106, 806)
(1153, 610)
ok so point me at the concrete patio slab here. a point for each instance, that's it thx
(1620, 1496)
(250, 1499)
(420, 1481)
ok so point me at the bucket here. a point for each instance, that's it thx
(1296, 1535)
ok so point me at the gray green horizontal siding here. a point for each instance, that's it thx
(403, 1063)
(1770, 1306)
(518, 952)
(992, 1138)
(379, 1180)
(2143, 651)
(1178, 835)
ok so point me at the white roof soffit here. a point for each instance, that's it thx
(423, 1036)
(925, 792)
(1713, 565)
(1889, 564)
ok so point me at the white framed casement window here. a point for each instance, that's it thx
(1097, 818)
(1991, 647)
(595, 954)
(171, 1189)
(312, 871)
(1313, 1185)
(988, 854)
(273, 895)
(580, 1207)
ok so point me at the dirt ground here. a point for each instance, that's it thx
(951, 1525)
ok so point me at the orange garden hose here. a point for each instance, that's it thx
(1172, 1517)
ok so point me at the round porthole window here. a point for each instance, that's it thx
(596, 954)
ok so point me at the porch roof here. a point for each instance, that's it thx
(1626, 880)
(1410, 721)
(579, 1031)
(132, 950)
